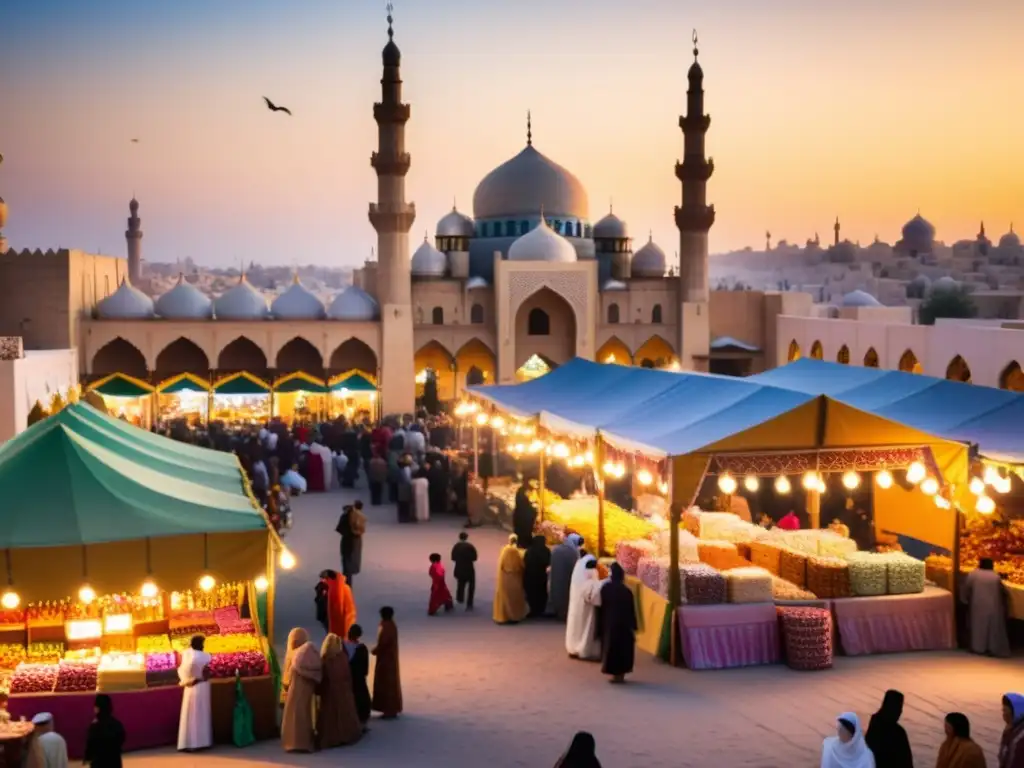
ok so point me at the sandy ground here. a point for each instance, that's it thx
(477, 694)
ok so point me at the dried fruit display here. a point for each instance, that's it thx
(1003, 542)
(48, 614)
(246, 663)
(34, 678)
(748, 585)
(868, 573)
(76, 676)
(45, 653)
(11, 655)
(193, 623)
(828, 577)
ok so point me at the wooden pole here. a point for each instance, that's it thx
(271, 591)
(476, 449)
(541, 461)
(599, 469)
(955, 581)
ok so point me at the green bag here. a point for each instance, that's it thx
(242, 733)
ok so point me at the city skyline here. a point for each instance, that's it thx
(805, 125)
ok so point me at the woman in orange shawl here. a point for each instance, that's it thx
(341, 605)
(958, 750)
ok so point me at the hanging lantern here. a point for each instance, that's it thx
(149, 589)
(810, 481)
(782, 484)
(985, 505)
(207, 583)
(930, 486)
(850, 480)
(916, 473)
(884, 479)
(751, 483)
(991, 475)
(10, 600)
(644, 477)
(86, 594)
(1003, 484)
(481, 419)
(727, 484)
(977, 486)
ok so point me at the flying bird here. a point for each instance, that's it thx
(135, 141)
(274, 108)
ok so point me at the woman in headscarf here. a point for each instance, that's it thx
(563, 559)
(297, 638)
(617, 620)
(985, 597)
(303, 677)
(524, 515)
(582, 753)
(341, 605)
(581, 640)
(387, 680)
(337, 722)
(104, 740)
(536, 560)
(1011, 749)
(847, 748)
(509, 595)
(886, 737)
(958, 750)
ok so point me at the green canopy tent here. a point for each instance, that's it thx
(299, 384)
(121, 385)
(355, 382)
(241, 384)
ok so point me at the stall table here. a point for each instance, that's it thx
(895, 623)
(726, 636)
(150, 717)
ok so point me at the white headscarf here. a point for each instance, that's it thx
(853, 754)
(580, 572)
(574, 540)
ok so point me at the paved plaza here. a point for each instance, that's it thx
(477, 694)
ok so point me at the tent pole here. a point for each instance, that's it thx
(476, 449)
(955, 581)
(271, 591)
(541, 482)
(599, 470)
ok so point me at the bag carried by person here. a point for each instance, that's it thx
(241, 728)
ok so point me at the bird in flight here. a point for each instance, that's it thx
(135, 141)
(274, 108)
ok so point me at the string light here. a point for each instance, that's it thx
(942, 502)
(850, 480)
(727, 484)
(207, 583)
(644, 477)
(86, 594)
(663, 489)
(561, 451)
(10, 600)
(481, 419)
(821, 486)
(977, 486)
(916, 473)
(149, 589)
(884, 479)
(985, 505)
(991, 476)
(930, 486)
(497, 422)
(782, 484)
(810, 481)
(286, 560)
(589, 457)
(751, 483)
(609, 468)
(261, 584)
(536, 446)
(577, 461)
(1002, 485)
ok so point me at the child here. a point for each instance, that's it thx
(439, 594)
(464, 557)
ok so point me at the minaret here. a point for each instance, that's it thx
(133, 235)
(3, 219)
(768, 240)
(694, 218)
(393, 217)
(835, 229)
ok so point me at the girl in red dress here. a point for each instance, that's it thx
(439, 594)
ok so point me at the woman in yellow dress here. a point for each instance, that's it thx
(510, 594)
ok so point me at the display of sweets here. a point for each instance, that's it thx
(11, 655)
(721, 555)
(153, 644)
(121, 672)
(199, 601)
(146, 610)
(76, 676)
(230, 623)
(702, 584)
(48, 614)
(688, 549)
(553, 533)
(45, 653)
(193, 623)
(793, 566)
(710, 525)
(904, 574)
(161, 662)
(1002, 542)
(550, 497)
(868, 573)
(232, 643)
(15, 617)
(784, 590)
(245, 663)
(767, 555)
(831, 544)
(78, 611)
(628, 553)
(748, 585)
(939, 569)
(82, 654)
(580, 516)
(828, 577)
(649, 569)
(806, 637)
(34, 678)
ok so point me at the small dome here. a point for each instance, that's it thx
(611, 227)
(528, 184)
(946, 283)
(475, 283)
(427, 261)
(860, 298)
(126, 303)
(542, 244)
(1009, 241)
(455, 224)
(649, 261)
(353, 304)
(614, 285)
(921, 281)
(297, 303)
(240, 302)
(184, 302)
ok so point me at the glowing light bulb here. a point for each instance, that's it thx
(727, 484)
(942, 502)
(261, 584)
(10, 600)
(561, 451)
(850, 480)
(916, 473)
(663, 488)
(990, 476)
(884, 479)
(589, 457)
(497, 422)
(977, 486)
(821, 488)
(577, 461)
(149, 589)
(286, 560)
(782, 484)
(751, 483)
(985, 505)
(644, 477)
(620, 470)
(609, 468)
(930, 486)
(1003, 484)
(536, 446)
(481, 419)
(207, 583)
(86, 594)
(810, 481)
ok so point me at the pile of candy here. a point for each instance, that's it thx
(246, 663)
(749, 585)
(807, 637)
(231, 643)
(702, 585)
(628, 553)
(11, 655)
(45, 653)
(193, 623)
(230, 623)
(34, 678)
(76, 676)
(153, 644)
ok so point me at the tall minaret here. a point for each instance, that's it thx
(134, 237)
(835, 229)
(694, 218)
(393, 217)
(3, 220)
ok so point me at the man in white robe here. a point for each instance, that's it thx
(581, 640)
(195, 728)
(54, 748)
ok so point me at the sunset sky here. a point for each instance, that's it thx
(870, 110)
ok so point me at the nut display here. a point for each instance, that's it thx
(76, 676)
(748, 585)
(34, 678)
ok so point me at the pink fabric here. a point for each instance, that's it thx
(150, 717)
(724, 636)
(896, 623)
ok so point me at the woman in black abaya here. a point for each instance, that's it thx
(617, 626)
(536, 561)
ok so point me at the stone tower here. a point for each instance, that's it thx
(694, 219)
(393, 217)
(133, 235)
(3, 220)
(836, 229)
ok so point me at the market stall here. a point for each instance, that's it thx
(126, 397)
(353, 393)
(119, 545)
(241, 398)
(299, 396)
(185, 396)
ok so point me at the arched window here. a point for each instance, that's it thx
(524, 227)
(958, 370)
(1012, 378)
(538, 323)
(497, 229)
(794, 351)
(844, 355)
(613, 314)
(909, 363)
(871, 358)
(816, 351)
(474, 377)
(476, 314)
(579, 229)
(483, 229)
(437, 316)
(656, 314)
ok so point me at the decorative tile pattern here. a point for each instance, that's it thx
(11, 348)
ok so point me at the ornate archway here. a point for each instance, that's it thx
(843, 357)
(545, 325)
(475, 364)
(354, 355)
(119, 356)
(655, 353)
(300, 355)
(614, 351)
(794, 352)
(958, 370)
(242, 354)
(182, 356)
(1012, 378)
(871, 358)
(434, 359)
(909, 362)
(817, 353)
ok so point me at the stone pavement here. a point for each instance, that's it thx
(477, 694)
